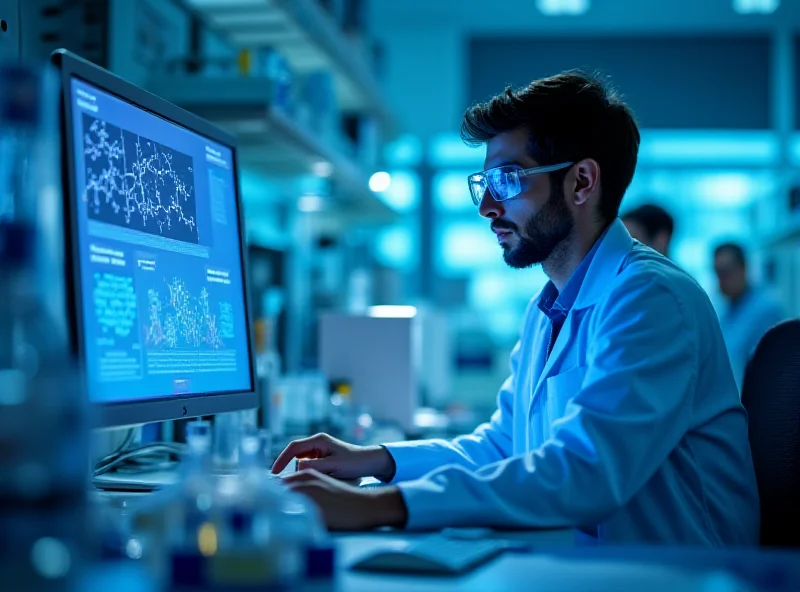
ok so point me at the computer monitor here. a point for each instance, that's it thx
(159, 308)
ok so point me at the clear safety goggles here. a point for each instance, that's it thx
(504, 182)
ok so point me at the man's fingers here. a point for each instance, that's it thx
(306, 476)
(326, 466)
(298, 448)
(285, 457)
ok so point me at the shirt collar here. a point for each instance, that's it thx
(551, 303)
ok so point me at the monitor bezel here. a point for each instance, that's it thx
(128, 413)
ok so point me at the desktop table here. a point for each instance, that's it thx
(556, 564)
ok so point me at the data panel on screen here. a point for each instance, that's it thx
(160, 263)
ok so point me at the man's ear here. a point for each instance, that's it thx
(587, 180)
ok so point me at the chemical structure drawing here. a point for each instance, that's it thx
(134, 182)
(183, 320)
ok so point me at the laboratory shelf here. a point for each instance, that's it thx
(270, 141)
(309, 38)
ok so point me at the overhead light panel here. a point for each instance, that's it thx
(562, 7)
(708, 147)
(756, 6)
(310, 203)
(322, 168)
(380, 181)
(392, 312)
(402, 194)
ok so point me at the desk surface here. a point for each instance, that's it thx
(556, 564)
(556, 567)
(559, 566)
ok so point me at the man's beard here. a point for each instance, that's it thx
(544, 231)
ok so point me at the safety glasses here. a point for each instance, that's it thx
(504, 182)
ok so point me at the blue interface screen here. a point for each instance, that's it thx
(160, 255)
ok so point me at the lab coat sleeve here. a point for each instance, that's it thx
(489, 443)
(625, 419)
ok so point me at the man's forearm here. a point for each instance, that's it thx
(390, 467)
(387, 508)
(380, 464)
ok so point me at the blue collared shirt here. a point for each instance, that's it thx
(556, 306)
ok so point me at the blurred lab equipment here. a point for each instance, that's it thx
(393, 358)
(237, 530)
(44, 420)
(378, 357)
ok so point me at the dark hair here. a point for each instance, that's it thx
(736, 250)
(652, 218)
(571, 116)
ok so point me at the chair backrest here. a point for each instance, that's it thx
(771, 395)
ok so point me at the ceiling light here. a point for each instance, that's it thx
(322, 169)
(562, 7)
(402, 194)
(756, 6)
(688, 147)
(380, 181)
(392, 312)
(310, 203)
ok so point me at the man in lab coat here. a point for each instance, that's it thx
(621, 416)
(750, 311)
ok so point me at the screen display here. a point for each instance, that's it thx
(163, 306)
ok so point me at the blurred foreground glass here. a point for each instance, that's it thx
(44, 428)
(227, 433)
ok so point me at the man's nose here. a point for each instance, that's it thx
(489, 207)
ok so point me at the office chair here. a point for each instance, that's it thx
(771, 395)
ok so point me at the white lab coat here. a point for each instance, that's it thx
(631, 430)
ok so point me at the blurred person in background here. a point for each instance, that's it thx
(651, 225)
(750, 312)
(621, 417)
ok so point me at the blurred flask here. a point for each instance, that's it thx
(248, 534)
(306, 402)
(364, 428)
(342, 413)
(44, 427)
(172, 518)
(227, 430)
(238, 531)
(268, 371)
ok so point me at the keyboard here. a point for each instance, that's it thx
(144, 481)
(370, 483)
(433, 555)
(150, 480)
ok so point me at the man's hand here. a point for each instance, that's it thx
(338, 459)
(345, 507)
